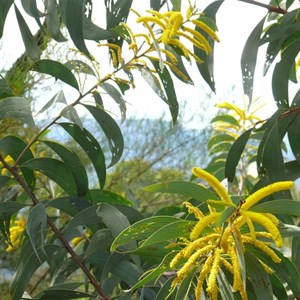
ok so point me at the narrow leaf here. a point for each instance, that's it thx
(31, 46)
(111, 130)
(70, 113)
(74, 164)
(235, 154)
(18, 108)
(285, 207)
(141, 230)
(188, 189)
(57, 70)
(35, 226)
(57, 98)
(91, 147)
(249, 57)
(74, 18)
(56, 170)
(10, 207)
(6, 4)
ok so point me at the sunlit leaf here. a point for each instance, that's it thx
(232, 121)
(111, 130)
(70, 113)
(74, 164)
(92, 148)
(57, 70)
(56, 170)
(170, 231)
(285, 207)
(35, 226)
(31, 46)
(219, 138)
(249, 57)
(227, 212)
(18, 108)
(141, 230)
(188, 189)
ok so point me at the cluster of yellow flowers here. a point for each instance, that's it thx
(163, 29)
(209, 247)
(16, 231)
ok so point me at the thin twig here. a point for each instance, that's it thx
(270, 8)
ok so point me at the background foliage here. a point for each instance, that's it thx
(73, 216)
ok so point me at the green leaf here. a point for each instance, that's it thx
(280, 79)
(93, 32)
(219, 138)
(9, 208)
(6, 4)
(278, 288)
(18, 108)
(80, 67)
(294, 137)
(56, 170)
(224, 286)
(228, 211)
(117, 12)
(235, 154)
(287, 230)
(74, 20)
(296, 252)
(5, 90)
(59, 293)
(207, 67)
(116, 96)
(31, 9)
(6, 181)
(170, 231)
(91, 147)
(111, 130)
(74, 164)
(30, 44)
(141, 230)
(155, 273)
(259, 277)
(165, 291)
(185, 287)
(57, 98)
(285, 207)
(226, 119)
(97, 195)
(249, 57)
(188, 189)
(14, 146)
(35, 226)
(53, 22)
(168, 85)
(57, 70)
(27, 265)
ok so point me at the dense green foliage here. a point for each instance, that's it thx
(80, 231)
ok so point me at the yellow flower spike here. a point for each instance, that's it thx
(114, 58)
(212, 288)
(196, 58)
(262, 246)
(177, 70)
(158, 15)
(214, 183)
(207, 29)
(176, 19)
(198, 36)
(225, 238)
(194, 210)
(268, 224)
(266, 191)
(273, 218)
(249, 224)
(267, 268)
(204, 271)
(165, 37)
(180, 46)
(152, 19)
(195, 246)
(237, 278)
(204, 222)
(174, 262)
(227, 264)
(170, 55)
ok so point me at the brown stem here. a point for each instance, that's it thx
(270, 8)
(77, 259)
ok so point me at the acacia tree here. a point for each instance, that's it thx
(218, 245)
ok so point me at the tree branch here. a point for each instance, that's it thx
(14, 171)
(270, 8)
